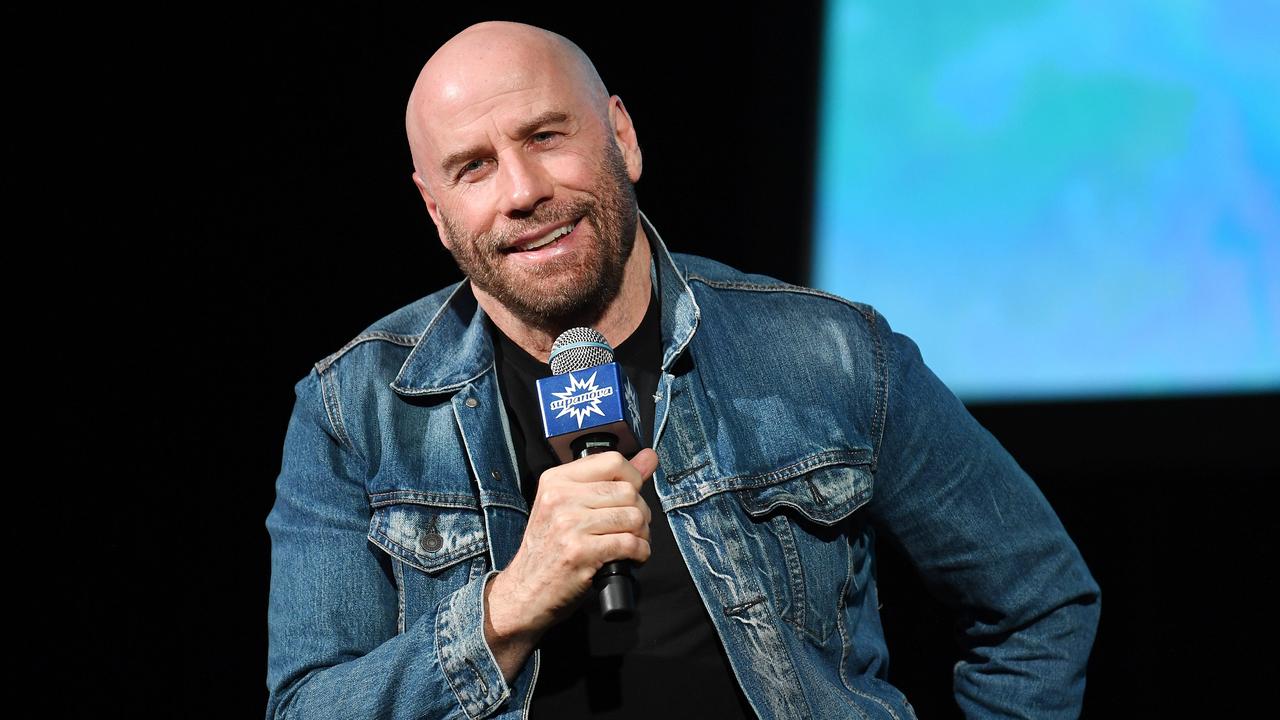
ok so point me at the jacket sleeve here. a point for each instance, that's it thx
(987, 543)
(334, 650)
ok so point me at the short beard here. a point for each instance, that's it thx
(593, 278)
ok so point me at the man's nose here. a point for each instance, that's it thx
(524, 184)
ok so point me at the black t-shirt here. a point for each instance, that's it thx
(667, 660)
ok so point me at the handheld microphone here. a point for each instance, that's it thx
(589, 407)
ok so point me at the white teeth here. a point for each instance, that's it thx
(549, 237)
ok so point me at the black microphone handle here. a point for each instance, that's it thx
(614, 580)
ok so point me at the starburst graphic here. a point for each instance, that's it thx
(580, 398)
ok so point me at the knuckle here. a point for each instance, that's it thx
(575, 555)
(550, 494)
(624, 517)
(640, 549)
(636, 517)
(562, 523)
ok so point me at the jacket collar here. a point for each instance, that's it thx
(455, 348)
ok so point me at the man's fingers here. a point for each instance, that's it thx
(624, 546)
(627, 519)
(645, 462)
(612, 493)
(609, 466)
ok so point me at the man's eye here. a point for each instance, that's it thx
(470, 167)
(542, 137)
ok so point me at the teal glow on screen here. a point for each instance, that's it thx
(1058, 198)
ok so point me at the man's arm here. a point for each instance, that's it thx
(334, 651)
(987, 544)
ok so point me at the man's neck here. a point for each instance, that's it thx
(619, 320)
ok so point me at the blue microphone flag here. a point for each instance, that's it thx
(592, 400)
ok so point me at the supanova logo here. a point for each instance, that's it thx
(581, 398)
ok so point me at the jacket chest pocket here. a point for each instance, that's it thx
(434, 550)
(815, 543)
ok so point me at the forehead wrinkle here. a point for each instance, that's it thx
(490, 105)
(452, 136)
(511, 123)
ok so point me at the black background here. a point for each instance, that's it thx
(204, 202)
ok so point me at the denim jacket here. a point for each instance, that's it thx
(791, 426)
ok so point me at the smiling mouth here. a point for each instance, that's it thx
(545, 240)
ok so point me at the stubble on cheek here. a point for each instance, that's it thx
(568, 290)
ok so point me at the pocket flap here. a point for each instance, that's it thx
(427, 537)
(825, 495)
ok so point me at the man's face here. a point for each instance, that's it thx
(569, 280)
(519, 164)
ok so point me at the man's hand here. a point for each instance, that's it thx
(586, 513)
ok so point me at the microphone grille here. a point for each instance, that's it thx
(578, 349)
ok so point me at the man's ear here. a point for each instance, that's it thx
(624, 134)
(432, 209)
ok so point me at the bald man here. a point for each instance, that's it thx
(431, 559)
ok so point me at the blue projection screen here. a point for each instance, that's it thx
(1058, 199)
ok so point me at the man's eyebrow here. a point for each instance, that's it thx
(549, 117)
(524, 129)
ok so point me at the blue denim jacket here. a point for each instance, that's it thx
(792, 427)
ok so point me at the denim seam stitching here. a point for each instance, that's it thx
(501, 501)
(395, 338)
(442, 389)
(408, 557)
(796, 576)
(456, 501)
(878, 701)
(882, 395)
(397, 570)
(692, 403)
(701, 423)
(773, 477)
(533, 683)
(471, 466)
(681, 275)
(781, 287)
(846, 648)
(333, 408)
(799, 467)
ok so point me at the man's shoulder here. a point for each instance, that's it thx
(718, 276)
(394, 335)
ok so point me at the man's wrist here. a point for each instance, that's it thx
(510, 639)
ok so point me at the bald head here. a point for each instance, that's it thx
(526, 166)
(487, 60)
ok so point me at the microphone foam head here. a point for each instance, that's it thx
(578, 349)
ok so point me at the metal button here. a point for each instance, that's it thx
(472, 402)
(495, 474)
(431, 542)
(430, 539)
